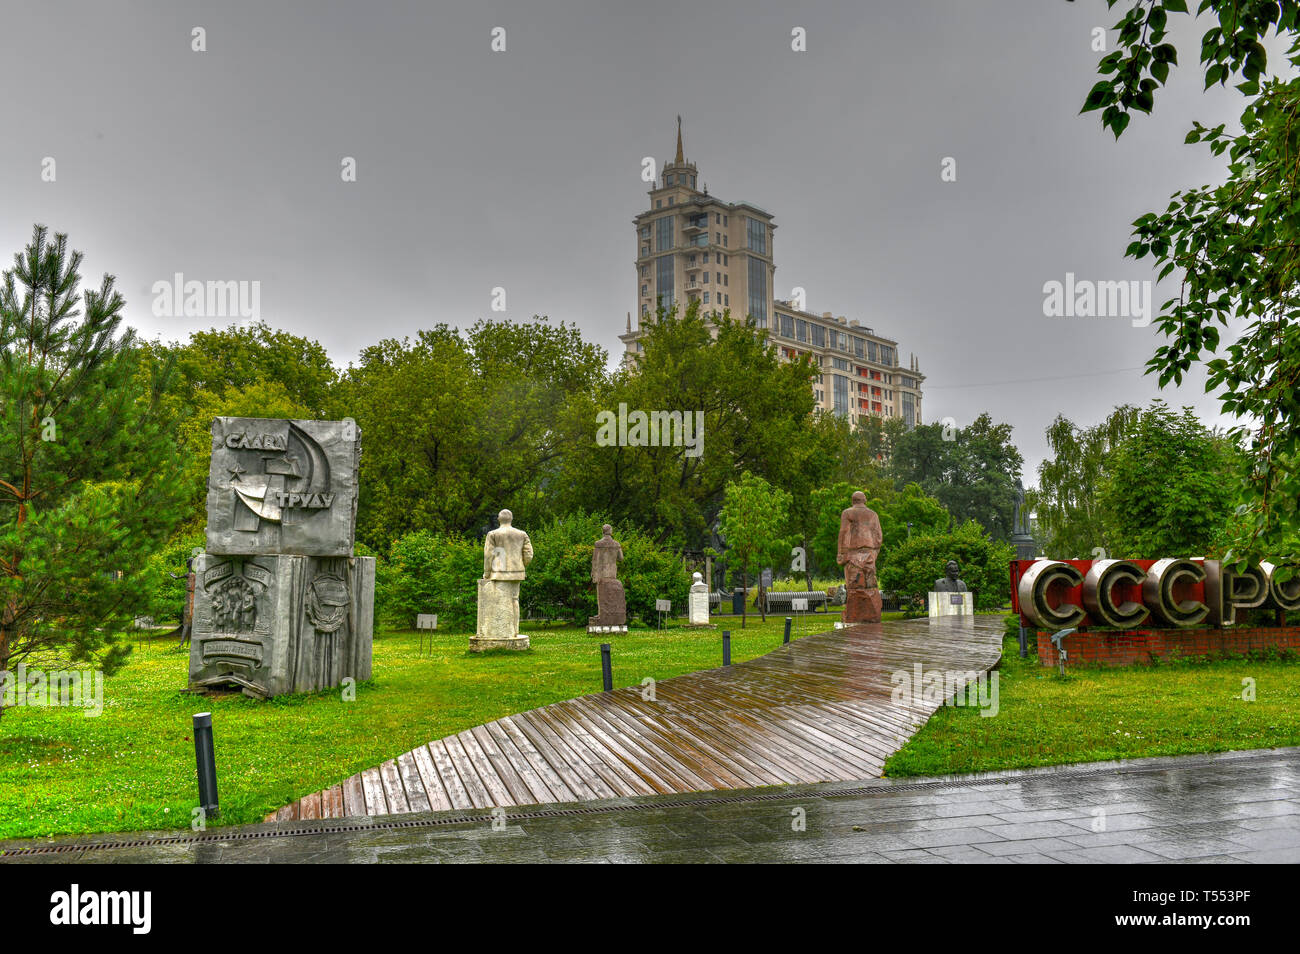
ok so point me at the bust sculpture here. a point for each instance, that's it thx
(859, 545)
(507, 551)
(611, 604)
(948, 583)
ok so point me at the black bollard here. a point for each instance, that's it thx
(726, 647)
(206, 758)
(787, 629)
(606, 668)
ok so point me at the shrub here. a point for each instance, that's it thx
(910, 567)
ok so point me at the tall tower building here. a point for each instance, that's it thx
(694, 246)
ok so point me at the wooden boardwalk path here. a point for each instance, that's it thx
(816, 710)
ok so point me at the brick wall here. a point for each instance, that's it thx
(1127, 647)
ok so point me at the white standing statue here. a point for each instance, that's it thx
(506, 552)
(698, 604)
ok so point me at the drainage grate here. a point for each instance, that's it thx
(447, 819)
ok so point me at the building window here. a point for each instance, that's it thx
(840, 364)
(664, 280)
(819, 336)
(841, 393)
(758, 293)
(756, 232)
(664, 234)
(706, 298)
(801, 329)
(871, 351)
(857, 346)
(787, 326)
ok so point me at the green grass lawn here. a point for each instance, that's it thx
(133, 766)
(1096, 714)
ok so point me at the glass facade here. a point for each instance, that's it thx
(758, 293)
(756, 232)
(909, 409)
(664, 234)
(664, 280)
(841, 395)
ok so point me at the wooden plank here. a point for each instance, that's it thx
(394, 794)
(566, 769)
(513, 769)
(439, 799)
(488, 769)
(819, 709)
(309, 806)
(416, 797)
(373, 785)
(354, 797)
(451, 781)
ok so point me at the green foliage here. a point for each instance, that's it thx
(757, 415)
(1232, 246)
(911, 567)
(89, 475)
(166, 576)
(1169, 487)
(427, 572)
(1066, 504)
(753, 521)
(438, 573)
(454, 426)
(971, 470)
(896, 509)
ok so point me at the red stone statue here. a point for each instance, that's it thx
(859, 544)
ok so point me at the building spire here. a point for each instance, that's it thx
(681, 156)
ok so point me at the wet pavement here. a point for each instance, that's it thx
(1229, 808)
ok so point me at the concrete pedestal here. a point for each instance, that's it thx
(951, 604)
(273, 624)
(498, 617)
(862, 606)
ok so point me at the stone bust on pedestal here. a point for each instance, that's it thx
(506, 552)
(859, 545)
(949, 596)
(948, 583)
(611, 604)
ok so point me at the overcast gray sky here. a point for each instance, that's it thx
(521, 168)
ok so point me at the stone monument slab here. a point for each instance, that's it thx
(277, 486)
(274, 624)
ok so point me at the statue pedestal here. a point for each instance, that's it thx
(498, 617)
(951, 604)
(861, 606)
(611, 616)
(697, 604)
(277, 624)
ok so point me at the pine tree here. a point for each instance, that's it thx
(88, 472)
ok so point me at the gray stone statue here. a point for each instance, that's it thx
(948, 583)
(280, 604)
(506, 552)
(611, 603)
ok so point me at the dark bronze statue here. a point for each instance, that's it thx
(948, 583)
